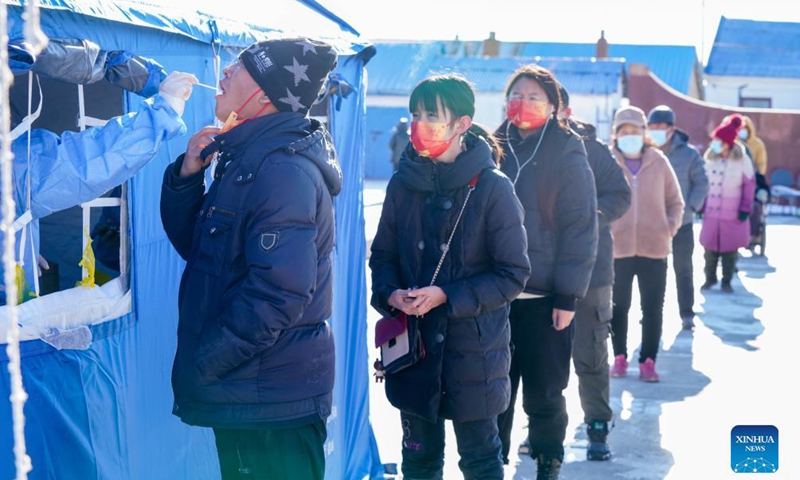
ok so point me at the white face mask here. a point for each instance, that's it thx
(630, 144)
(659, 137)
(716, 146)
(743, 134)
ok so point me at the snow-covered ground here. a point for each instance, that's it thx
(736, 368)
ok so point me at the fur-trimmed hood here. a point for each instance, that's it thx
(737, 153)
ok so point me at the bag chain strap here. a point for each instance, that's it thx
(452, 234)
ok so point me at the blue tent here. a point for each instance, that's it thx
(105, 412)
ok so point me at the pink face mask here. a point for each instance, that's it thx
(430, 138)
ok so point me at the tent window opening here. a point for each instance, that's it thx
(77, 286)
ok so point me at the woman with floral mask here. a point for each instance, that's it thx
(547, 163)
(729, 202)
(642, 239)
(450, 249)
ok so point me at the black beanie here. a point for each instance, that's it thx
(291, 71)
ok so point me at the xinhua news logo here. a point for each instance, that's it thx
(754, 449)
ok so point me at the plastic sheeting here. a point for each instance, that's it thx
(105, 412)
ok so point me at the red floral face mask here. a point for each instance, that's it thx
(527, 114)
(430, 138)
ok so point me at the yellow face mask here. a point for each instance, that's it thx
(232, 121)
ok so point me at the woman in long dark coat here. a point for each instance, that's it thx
(464, 374)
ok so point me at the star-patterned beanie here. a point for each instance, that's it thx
(291, 71)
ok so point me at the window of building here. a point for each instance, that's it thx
(755, 102)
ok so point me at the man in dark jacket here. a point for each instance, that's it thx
(690, 170)
(399, 141)
(255, 356)
(594, 311)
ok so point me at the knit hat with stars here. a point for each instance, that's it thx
(291, 71)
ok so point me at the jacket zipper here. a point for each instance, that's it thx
(635, 213)
(435, 177)
(221, 211)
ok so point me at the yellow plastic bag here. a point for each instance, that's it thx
(24, 292)
(87, 262)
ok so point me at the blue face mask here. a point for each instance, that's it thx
(630, 144)
(716, 146)
(743, 134)
(659, 137)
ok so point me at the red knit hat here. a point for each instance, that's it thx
(728, 130)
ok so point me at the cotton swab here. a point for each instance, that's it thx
(206, 86)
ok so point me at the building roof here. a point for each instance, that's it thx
(398, 67)
(673, 64)
(488, 74)
(578, 75)
(390, 73)
(750, 48)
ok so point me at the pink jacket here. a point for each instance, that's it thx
(656, 211)
(731, 190)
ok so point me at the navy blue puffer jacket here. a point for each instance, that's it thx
(464, 375)
(613, 200)
(254, 346)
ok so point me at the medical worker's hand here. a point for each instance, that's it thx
(176, 89)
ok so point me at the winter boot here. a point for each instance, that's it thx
(710, 282)
(598, 446)
(726, 287)
(547, 468)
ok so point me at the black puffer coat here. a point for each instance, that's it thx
(562, 256)
(464, 375)
(254, 347)
(613, 200)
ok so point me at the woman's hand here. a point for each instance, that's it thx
(426, 299)
(400, 300)
(562, 318)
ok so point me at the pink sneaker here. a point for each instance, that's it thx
(620, 368)
(647, 371)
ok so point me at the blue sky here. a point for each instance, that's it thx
(675, 22)
(661, 22)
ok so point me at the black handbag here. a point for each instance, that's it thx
(399, 337)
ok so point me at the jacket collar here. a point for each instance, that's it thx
(737, 153)
(649, 157)
(293, 132)
(679, 139)
(275, 129)
(423, 174)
